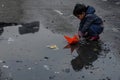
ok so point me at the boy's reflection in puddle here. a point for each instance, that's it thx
(87, 54)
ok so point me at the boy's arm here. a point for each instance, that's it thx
(88, 22)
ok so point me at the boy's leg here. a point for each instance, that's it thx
(94, 32)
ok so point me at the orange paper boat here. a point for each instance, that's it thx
(72, 40)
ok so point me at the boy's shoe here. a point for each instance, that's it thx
(94, 38)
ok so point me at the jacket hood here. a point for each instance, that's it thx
(90, 10)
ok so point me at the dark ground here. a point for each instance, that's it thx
(29, 26)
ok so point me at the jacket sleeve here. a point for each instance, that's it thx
(88, 21)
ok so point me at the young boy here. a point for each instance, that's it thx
(91, 26)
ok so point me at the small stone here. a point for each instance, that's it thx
(86, 67)
(110, 57)
(19, 61)
(46, 58)
(83, 76)
(104, 20)
(67, 70)
(52, 21)
(3, 62)
(91, 72)
(108, 78)
(52, 77)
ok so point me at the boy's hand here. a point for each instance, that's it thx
(86, 33)
(80, 34)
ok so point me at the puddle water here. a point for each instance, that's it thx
(24, 55)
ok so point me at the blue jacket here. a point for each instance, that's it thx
(91, 23)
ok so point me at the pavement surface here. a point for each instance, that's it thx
(32, 41)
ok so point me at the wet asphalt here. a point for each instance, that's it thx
(28, 27)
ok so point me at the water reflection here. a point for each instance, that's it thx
(5, 75)
(72, 47)
(3, 24)
(87, 54)
(25, 28)
(1, 31)
(31, 27)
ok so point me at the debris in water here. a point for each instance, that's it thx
(19, 61)
(59, 12)
(117, 3)
(53, 47)
(29, 68)
(83, 76)
(3, 5)
(1, 61)
(52, 21)
(57, 72)
(86, 67)
(5, 66)
(52, 77)
(46, 67)
(110, 57)
(115, 30)
(95, 49)
(67, 70)
(91, 72)
(104, 0)
(108, 78)
(10, 40)
(46, 58)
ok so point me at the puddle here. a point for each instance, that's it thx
(27, 55)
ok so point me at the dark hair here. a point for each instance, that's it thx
(79, 9)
